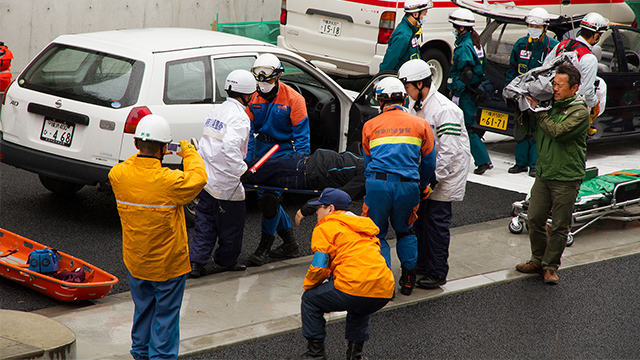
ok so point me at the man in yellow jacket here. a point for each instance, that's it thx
(154, 236)
(347, 254)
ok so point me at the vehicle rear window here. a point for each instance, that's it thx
(85, 75)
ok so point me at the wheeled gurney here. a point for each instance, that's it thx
(613, 196)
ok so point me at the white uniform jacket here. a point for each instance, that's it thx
(588, 71)
(453, 154)
(223, 147)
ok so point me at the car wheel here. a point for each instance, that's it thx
(190, 212)
(60, 187)
(439, 68)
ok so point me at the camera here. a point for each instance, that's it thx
(175, 147)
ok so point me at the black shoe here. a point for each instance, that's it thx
(532, 172)
(234, 267)
(197, 270)
(407, 281)
(285, 250)
(517, 169)
(429, 282)
(261, 255)
(421, 270)
(482, 168)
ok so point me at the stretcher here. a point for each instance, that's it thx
(289, 190)
(614, 196)
(14, 255)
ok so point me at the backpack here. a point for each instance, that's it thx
(43, 261)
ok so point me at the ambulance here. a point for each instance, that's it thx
(349, 37)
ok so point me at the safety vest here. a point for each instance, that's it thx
(573, 45)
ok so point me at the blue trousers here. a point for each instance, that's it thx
(218, 221)
(478, 150)
(325, 298)
(526, 153)
(397, 201)
(156, 319)
(432, 230)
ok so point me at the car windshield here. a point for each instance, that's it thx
(85, 75)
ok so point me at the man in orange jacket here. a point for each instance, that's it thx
(154, 235)
(347, 253)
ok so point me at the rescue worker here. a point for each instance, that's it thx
(452, 166)
(155, 247)
(591, 28)
(561, 141)
(404, 44)
(221, 211)
(400, 161)
(347, 254)
(6, 56)
(278, 116)
(528, 53)
(466, 73)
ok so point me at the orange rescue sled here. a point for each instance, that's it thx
(14, 252)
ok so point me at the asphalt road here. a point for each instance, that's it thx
(594, 313)
(87, 226)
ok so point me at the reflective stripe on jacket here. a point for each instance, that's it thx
(150, 204)
(352, 256)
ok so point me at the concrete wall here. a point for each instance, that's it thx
(27, 26)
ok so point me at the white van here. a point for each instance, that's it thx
(349, 37)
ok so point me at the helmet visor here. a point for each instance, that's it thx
(264, 73)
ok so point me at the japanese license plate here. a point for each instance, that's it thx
(57, 132)
(330, 27)
(494, 119)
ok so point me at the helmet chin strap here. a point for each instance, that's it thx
(418, 104)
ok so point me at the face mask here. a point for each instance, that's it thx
(454, 31)
(535, 33)
(265, 87)
(423, 20)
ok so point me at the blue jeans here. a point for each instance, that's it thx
(432, 230)
(218, 221)
(156, 320)
(325, 298)
(397, 201)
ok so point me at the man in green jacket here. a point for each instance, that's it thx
(561, 134)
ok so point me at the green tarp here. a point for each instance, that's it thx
(266, 31)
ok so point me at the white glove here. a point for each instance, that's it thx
(456, 100)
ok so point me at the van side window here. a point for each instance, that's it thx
(501, 43)
(223, 66)
(188, 81)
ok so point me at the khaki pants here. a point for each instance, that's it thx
(557, 197)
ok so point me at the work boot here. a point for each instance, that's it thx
(289, 245)
(551, 277)
(517, 169)
(430, 282)
(532, 172)
(197, 270)
(482, 168)
(315, 350)
(407, 281)
(530, 267)
(354, 350)
(262, 252)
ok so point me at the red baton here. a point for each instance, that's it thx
(264, 158)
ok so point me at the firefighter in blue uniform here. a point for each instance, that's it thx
(403, 44)
(528, 53)
(466, 73)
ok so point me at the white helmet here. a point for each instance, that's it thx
(389, 88)
(267, 67)
(412, 6)
(537, 16)
(462, 17)
(414, 70)
(240, 81)
(153, 128)
(594, 22)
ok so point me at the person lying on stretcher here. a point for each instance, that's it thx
(320, 170)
